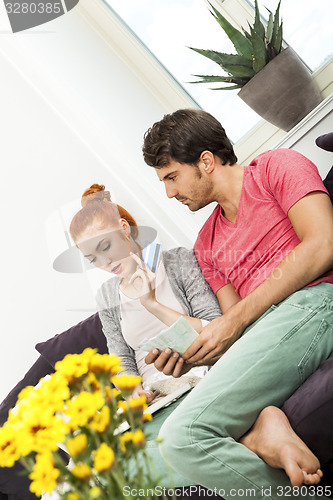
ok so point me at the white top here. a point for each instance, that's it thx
(138, 324)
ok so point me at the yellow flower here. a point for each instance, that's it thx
(75, 365)
(138, 403)
(111, 394)
(122, 405)
(101, 420)
(136, 438)
(124, 439)
(24, 393)
(77, 444)
(93, 381)
(95, 492)
(44, 475)
(104, 458)
(54, 391)
(73, 496)
(82, 471)
(9, 446)
(42, 430)
(83, 408)
(126, 382)
(146, 417)
(133, 404)
(108, 363)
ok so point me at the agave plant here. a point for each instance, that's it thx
(255, 48)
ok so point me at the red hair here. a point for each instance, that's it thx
(96, 204)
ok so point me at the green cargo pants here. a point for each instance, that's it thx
(264, 367)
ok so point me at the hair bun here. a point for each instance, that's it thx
(96, 192)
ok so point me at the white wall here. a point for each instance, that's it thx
(73, 112)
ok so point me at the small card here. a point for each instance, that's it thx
(178, 337)
(151, 255)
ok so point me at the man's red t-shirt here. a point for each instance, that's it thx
(246, 252)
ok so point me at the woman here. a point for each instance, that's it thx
(132, 304)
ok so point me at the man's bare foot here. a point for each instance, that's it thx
(273, 439)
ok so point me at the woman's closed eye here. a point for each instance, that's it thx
(107, 247)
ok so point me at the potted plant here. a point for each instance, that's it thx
(274, 81)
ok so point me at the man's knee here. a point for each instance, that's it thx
(172, 439)
(180, 435)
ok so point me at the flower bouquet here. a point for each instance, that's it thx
(78, 409)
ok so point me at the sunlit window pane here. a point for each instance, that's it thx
(168, 28)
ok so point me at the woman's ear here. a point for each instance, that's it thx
(125, 228)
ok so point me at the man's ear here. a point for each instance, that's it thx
(207, 162)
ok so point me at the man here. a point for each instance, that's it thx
(267, 252)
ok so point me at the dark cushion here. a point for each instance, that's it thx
(325, 141)
(87, 333)
(328, 183)
(310, 412)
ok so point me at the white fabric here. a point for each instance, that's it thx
(138, 324)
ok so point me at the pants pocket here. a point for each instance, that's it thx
(314, 355)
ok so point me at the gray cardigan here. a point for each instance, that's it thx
(187, 283)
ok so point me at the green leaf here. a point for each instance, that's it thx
(258, 26)
(248, 36)
(260, 58)
(231, 87)
(269, 29)
(278, 40)
(276, 25)
(241, 43)
(224, 59)
(213, 78)
(239, 71)
(271, 51)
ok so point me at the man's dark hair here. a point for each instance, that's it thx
(183, 135)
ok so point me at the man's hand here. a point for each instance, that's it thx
(168, 362)
(214, 340)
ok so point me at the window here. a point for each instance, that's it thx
(169, 28)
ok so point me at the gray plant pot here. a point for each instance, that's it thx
(283, 92)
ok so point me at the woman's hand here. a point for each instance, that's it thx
(143, 281)
(139, 391)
